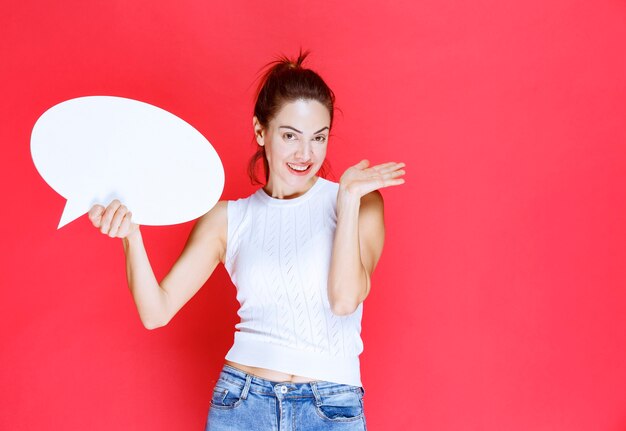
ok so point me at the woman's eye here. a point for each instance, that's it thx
(320, 138)
(289, 136)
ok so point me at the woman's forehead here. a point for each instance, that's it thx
(307, 116)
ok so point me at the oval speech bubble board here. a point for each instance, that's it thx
(98, 148)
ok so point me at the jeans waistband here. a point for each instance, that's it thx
(261, 385)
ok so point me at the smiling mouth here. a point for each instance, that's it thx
(299, 168)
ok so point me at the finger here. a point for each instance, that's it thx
(389, 182)
(396, 174)
(108, 216)
(95, 214)
(117, 220)
(125, 225)
(382, 168)
(394, 182)
(388, 167)
(372, 184)
(363, 164)
(378, 176)
(391, 179)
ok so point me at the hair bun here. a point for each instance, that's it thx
(297, 63)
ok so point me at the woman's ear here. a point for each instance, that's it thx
(258, 131)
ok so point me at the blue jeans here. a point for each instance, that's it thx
(242, 401)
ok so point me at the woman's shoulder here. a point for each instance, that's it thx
(212, 227)
(216, 217)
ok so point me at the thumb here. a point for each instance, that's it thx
(363, 164)
(95, 214)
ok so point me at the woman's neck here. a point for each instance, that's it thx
(286, 192)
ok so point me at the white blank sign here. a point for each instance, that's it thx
(99, 148)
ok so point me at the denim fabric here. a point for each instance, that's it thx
(242, 401)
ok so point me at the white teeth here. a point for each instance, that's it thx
(298, 168)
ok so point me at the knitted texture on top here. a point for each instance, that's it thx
(278, 257)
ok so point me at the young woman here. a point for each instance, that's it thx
(300, 251)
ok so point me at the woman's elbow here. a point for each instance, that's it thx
(343, 308)
(154, 323)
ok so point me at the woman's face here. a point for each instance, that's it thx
(295, 145)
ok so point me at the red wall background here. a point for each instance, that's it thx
(499, 302)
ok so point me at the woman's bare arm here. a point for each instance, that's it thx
(360, 233)
(158, 302)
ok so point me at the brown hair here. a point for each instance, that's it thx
(285, 81)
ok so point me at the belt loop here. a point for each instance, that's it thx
(318, 398)
(246, 387)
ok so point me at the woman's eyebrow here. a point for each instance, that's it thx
(296, 130)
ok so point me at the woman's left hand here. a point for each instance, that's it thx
(359, 180)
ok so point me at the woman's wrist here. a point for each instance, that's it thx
(345, 199)
(132, 238)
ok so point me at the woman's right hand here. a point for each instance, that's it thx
(114, 220)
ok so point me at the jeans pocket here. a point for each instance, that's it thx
(341, 406)
(226, 394)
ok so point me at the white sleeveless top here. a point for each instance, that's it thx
(278, 257)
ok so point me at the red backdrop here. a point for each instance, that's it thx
(499, 301)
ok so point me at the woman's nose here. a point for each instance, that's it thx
(304, 152)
